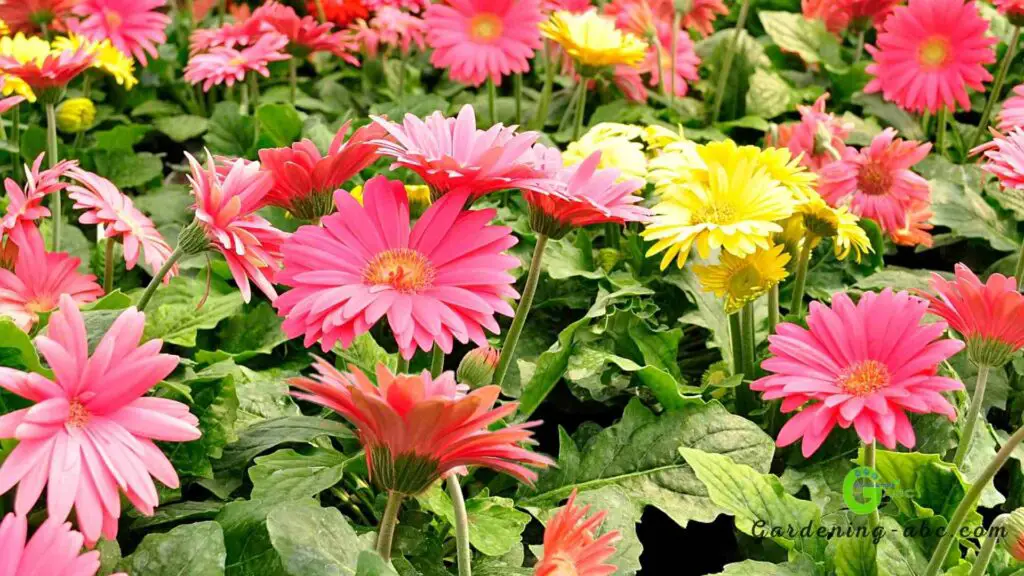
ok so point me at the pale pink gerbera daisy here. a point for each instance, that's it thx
(477, 40)
(416, 429)
(1012, 113)
(38, 280)
(864, 365)
(229, 35)
(55, 550)
(25, 205)
(134, 27)
(442, 281)
(90, 432)
(226, 202)
(223, 65)
(803, 137)
(929, 53)
(877, 181)
(305, 35)
(686, 61)
(451, 153)
(571, 544)
(108, 207)
(1004, 158)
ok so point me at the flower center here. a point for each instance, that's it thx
(485, 28)
(744, 281)
(564, 567)
(113, 19)
(236, 61)
(874, 180)
(864, 378)
(716, 214)
(934, 52)
(405, 270)
(78, 414)
(40, 304)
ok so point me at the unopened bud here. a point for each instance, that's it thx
(1013, 542)
(823, 142)
(477, 367)
(76, 115)
(192, 240)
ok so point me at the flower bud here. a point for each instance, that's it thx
(76, 115)
(823, 141)
(477, 367)
(193, 240)
(1013, 542)
(419, 199)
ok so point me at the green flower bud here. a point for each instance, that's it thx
(477, 367)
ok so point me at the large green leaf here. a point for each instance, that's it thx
(265, 435)
(495, 526)
(925, 486)
(254, 332)
(280, 124)
(229, 133)
(176, 316)
(178, 512)
(770, 95)
(193, 549)
(129, 169)
(183, 127)
(364, 353)
(289, 475)
(806, 37)
(551, 365)
(312, 541)
(754, 567)
(897, 554)
(855, 556)
(263, 395)
(211, 393)
(16, 349)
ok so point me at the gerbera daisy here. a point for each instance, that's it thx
(1013, 541)
(341, 13)
(226, 205)
(830, 12)
(305, 35)
(39, 279)
(818, 221)
(740, 280)
(89, 434)
(686, 61)
(451, 153)
(30, 16)
(477, 367)
(230, 35)
(105, 57)
(571, 544)
(782, 167)
(1012, 113)
(592, 40)
(118, 217)
(629, 80)
(24, 205)
(134, 27)
(399, 29)
(13, 85)
(477, 40)
(305, 181)
(877, 181)
(54, 549)
(864, 365)
(35, 62)
(634, 16)
(929, 53)
(442, 281)
(224, 65)
(1004, 158)
(916, 230)
(415, 6)
(620, 146)
(807, 139)
(864, 14)
(576, 6)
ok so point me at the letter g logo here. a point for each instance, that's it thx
(870, 496)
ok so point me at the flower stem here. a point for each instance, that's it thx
(243, 107)
(51, 153)
(800, 283)
(15, 138)
(674, 45)
(492, 96)
(436, 361)
(989, 546)
(545, 95)
(869, 461)
(749, 335)
(659, 53)
(997, 87)
(403, 364)
(465, 555)
(736, 339)
(508, 347)
(859, 52)
(401, 76)
(972, 416)
(940, 131)
(108, 266)
(517, 88)
(159, 277)
(293, 79)
(773, 308)
(1020, 266)
(577, 125)
(730, 52)
(320, 14)
(254, 90)
(388, 523)
(970, 500)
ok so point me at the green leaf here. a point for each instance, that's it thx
(289, 475)
(855, 556)
(752, 567)
(262, 395)
(551, 366)
(892, 114)
(129, 170)
(313, 541)
(193, 549)
(495, 526)
(156, 108)
(121, 138)
(254, 332)
(214, 402)
(806, 37)
(897, 554)
(563, 259)
(769, 96)
(182, 128)
(279, 123)
(16, 349)
(265, 435)
(925, 486)
(170, 204)
(249, 550)
(622, 515)
(982, 451)
(709, 314)
(757, 500)
(640, 455)
(365, 354)
(178, 512)
(175, 315)
(371, 564)
(229, 133)
(897, 278)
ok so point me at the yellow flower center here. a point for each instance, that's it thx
(745, 281)
(864, 378)
(716, 214)
(41, 304)
(934, 52)
(874, 180)
(78, 415)
(405, 270)
(485, 28)
(113, 19)
(236, 61)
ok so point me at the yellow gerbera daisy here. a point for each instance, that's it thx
(658, 137)
(782, 166)
(25, 49)
(618, 146)
(822, 221)
(738, 209)
(13, 85)
(106, 56)
(592, 40)
(740, 280)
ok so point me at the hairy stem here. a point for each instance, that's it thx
(508, 347)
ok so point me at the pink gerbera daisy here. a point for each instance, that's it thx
(803, 137)
(223, 65)
(571, 544)
(400, 29)
(305, 35)
(929, 53)
(305, 181)
(39, 279)
(477, 40)
(451, 153)
(686, 60)
(877, 181)
(415, 6)
(226, 202)
(55, 549)
(629, 80)
(90, 432)
(29, 16)
(1012, 113)
(634, 16)
(1014, 10)
(574, 6)
(864, 365)
(108, 207)
(1004, 158)
(442, 281)
(416, 429)
(229, 35)
(25, 205)
(864, 14)
(134, 27)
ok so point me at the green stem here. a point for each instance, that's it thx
(973, 411)
(401, 76)
(730, 53)
(541, 116)
(86, 85)
(581, 108)
(159, 277)
(749, 335)
(869, 461)
(736, 339)
(254, 90)
(51, 153)
(464, 554)
(612, 234)
(859, 52)
(293, 78)
(940, 131)
(773, 308)
(243, 106)
(970, 500)
(997, 87)
(222, 9)
(1020, 266)
(108, 266)
(659, 53)
(989, 546)
(517, 89)
(388, 523)
(15, 138)
(403, 365)
(492, 96)
(436, 361)
(508, 347)
(800, 283)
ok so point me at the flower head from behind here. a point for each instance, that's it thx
(740, 280)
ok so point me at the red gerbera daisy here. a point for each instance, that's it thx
(29, 16)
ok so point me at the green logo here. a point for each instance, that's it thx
(865, 481)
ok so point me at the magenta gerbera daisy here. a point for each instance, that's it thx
(477, 40)
(134, 27)
(929, 53)
(443, 280)
(223, 65)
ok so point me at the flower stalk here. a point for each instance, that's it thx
(541, 116)
(517, 88)
(463, 552)
(293, 79)
(972, 416)
(869, 461)
(997, 87)
(159, 277)
(108, 266)
(730, 53)
(989, 546)
(436, 361)
(736, 342)
(773, 308)
(388, 523)
(800, 282)
(51, 153)
(508, 347)
(581, 108)
(492, 96)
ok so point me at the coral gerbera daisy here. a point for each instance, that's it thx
(25, 205)
(90, 432)
(451, 153)
(917, 228)
(877, 181)
(442, 281)
(477, 40)
(230, 35)
(863, 365)
(305, 35)
(1012, 113)
(414, 6)
(54, 549)
(738, 280)
(223, 65)
(226, 204)
(1004, 158)
(830, 12)
(341, 13)
(134, 27)
(592, 40)
(38, 280)
(929, 53)
(864, 14)
(571, 544)
(109, 208)
(817, 138)
(305, 181)
(34, 61)
(30, 16)
(1013, 9)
